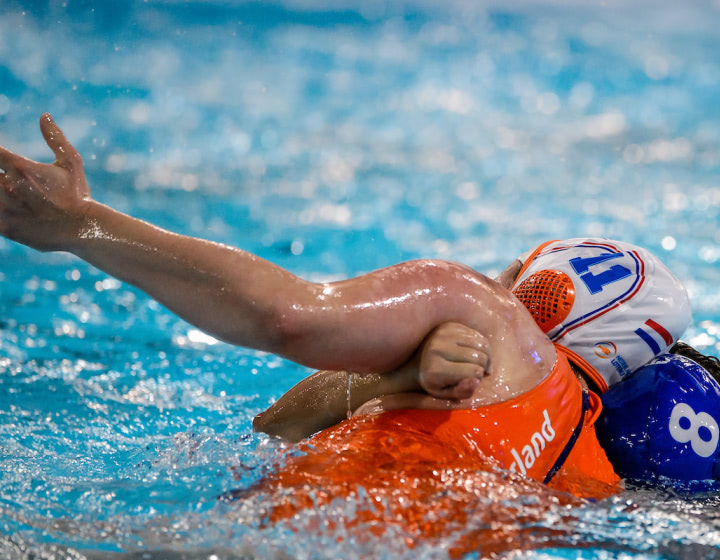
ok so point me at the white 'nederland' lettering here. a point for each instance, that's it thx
(532, 450)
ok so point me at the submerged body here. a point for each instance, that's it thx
(425, 471)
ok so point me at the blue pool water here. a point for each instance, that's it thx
(331, 138)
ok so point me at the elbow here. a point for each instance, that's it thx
(263, 423)
(259, 422)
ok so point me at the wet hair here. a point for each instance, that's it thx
(580, 374)
(710, 363)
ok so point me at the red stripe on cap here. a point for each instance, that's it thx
(667, 337)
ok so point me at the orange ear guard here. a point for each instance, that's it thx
(548, 295)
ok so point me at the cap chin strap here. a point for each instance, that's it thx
(571, 442)
(585, 366)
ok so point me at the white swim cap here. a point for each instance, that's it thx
(613, 305)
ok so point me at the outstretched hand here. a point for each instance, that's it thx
(43, 205)
(453, 360)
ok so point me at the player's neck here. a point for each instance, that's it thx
(586, 382)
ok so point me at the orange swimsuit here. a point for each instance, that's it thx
(546, 433)
(432, 470)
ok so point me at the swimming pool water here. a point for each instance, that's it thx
(331, 139)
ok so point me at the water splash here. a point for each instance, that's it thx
(332, 141)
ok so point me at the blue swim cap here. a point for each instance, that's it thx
(662, 421)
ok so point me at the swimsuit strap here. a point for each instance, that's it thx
(571, 442)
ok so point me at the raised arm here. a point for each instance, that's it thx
(371, 323)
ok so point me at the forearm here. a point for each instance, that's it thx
(198, 280)
(323, 399)
(372, 323)
(412, 400)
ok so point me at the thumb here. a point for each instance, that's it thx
(65, 154)
(460, 391)
(465, 388)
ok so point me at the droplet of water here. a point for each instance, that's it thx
(349, 385)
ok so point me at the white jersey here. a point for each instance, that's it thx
(615, 306)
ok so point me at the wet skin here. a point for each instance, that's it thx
(369, 324)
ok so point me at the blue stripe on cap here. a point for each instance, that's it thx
(649, 341)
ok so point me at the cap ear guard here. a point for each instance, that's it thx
(548, 295)
(663, 421)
